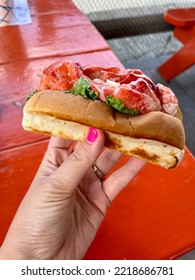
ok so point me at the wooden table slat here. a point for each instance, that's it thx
(56, 29)
(41, 41)
(51, 7)
(17, 170)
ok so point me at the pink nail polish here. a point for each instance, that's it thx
(92, 135)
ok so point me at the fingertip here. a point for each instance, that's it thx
(95, 135)
(92, 135)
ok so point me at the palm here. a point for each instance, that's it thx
(84, 209)
(89, 210)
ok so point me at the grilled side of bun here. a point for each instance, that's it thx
(156, 137)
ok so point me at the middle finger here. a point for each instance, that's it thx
(107, 160)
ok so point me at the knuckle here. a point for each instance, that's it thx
(112, 155)
(81, 156)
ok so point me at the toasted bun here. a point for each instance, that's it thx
(156, 137)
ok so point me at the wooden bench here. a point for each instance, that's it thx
(184, 22)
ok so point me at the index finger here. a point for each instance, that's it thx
(59, 143)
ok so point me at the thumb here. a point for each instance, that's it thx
(71, 172)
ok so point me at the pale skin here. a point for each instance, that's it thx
(66, 202)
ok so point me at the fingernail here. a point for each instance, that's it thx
(92, 135)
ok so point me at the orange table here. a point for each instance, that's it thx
(184, 22)
(154, 217)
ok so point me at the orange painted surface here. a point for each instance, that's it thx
(184, 22)
(180, 17)
(51, 7)
(184, 34)
(154, 217)
(54, 33)
(17, 170)
(179, 62)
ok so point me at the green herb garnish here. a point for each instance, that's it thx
(82, 87)
(118, 105)
(31, 94)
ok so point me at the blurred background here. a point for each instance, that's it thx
(141, 38)
(134, 28)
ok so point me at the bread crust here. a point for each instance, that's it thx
(155, 152)
(157, 126)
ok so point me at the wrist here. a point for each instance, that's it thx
(2, 255)
(7, 253)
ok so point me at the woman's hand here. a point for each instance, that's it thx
(67, 201)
